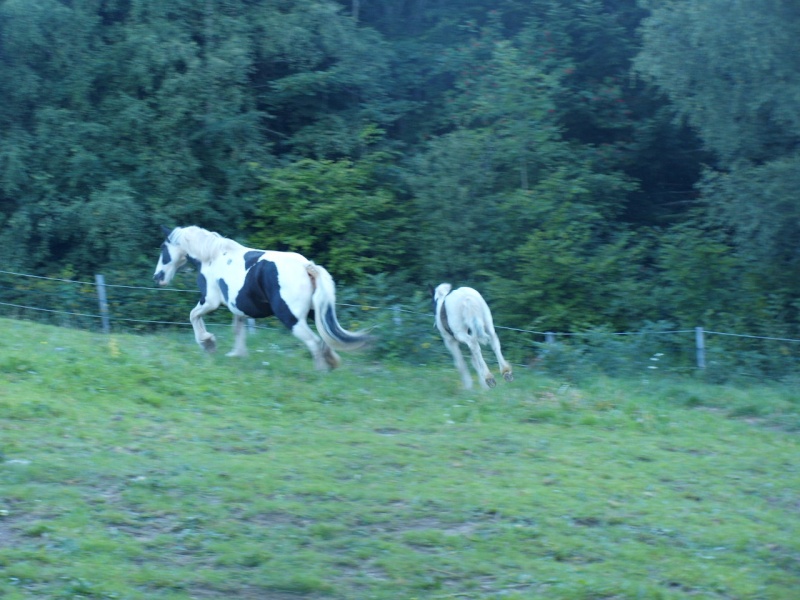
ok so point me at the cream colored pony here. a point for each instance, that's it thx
(462, 315)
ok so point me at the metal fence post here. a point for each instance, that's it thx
(101, 299)
(397, 317)
(700, 344)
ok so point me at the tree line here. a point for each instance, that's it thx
(600, 163)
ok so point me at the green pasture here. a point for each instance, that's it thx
(136, 467)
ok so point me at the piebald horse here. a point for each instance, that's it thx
(462, 315)
(257, 283)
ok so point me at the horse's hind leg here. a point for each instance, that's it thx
(324, 356)
(484, 374)
(203, 337)
(329, 354)
(239, 337)
(458, 359)
(505, 368)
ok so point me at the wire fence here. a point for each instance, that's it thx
(406, 331)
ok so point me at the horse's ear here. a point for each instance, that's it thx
(166, 231)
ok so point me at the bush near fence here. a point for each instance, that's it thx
(403, 325)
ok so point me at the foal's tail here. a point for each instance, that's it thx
(324, 300)
(479, 330)
(475, 320)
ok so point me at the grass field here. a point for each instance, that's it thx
(136, 467)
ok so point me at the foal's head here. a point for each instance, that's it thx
(172, 258)
(441, 291)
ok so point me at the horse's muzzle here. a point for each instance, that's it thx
(159, 278)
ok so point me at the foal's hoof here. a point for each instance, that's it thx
(210, 345)
(491, 382)
(508, 376)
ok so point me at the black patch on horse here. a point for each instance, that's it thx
(203, 286)
(443, 318)
(260, 295)
(443, 313)
(251, 257)
(165, 256)
(223, 288)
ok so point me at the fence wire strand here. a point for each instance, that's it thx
(396, 309)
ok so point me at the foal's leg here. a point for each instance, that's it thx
(484, 374)
(239, 337)
(458, 359)
(203, 337)
(505, 368)
(324, 356)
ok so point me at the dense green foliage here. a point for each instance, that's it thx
(737, 82)
(133, 468)
(603, 163)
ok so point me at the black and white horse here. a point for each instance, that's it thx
(462, 315)
(257, 283)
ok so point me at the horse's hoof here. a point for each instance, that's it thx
(491, 382)
(210, 345)
(508, 376)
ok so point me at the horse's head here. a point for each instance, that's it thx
(439, 292)
(172, 258)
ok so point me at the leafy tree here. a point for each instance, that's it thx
(171, 101)
(736, 80)
(691, 292)
(574, 268)
(495, 142)
(126, 96)
(335, 213)
(506, 200)
(321, 78)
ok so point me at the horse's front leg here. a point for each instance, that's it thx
(204, 338)
(239, 336)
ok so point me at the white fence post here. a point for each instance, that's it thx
(700, 343)
(549, 337)
(101, 299)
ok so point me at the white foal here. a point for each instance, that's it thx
(462, 315)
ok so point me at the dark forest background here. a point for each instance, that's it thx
(596, 163)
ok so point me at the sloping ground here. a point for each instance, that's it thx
(140, 468)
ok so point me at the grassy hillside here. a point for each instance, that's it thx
(140, 468)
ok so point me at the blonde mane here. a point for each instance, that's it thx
(202, 244)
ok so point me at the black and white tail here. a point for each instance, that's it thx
(324, 301)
